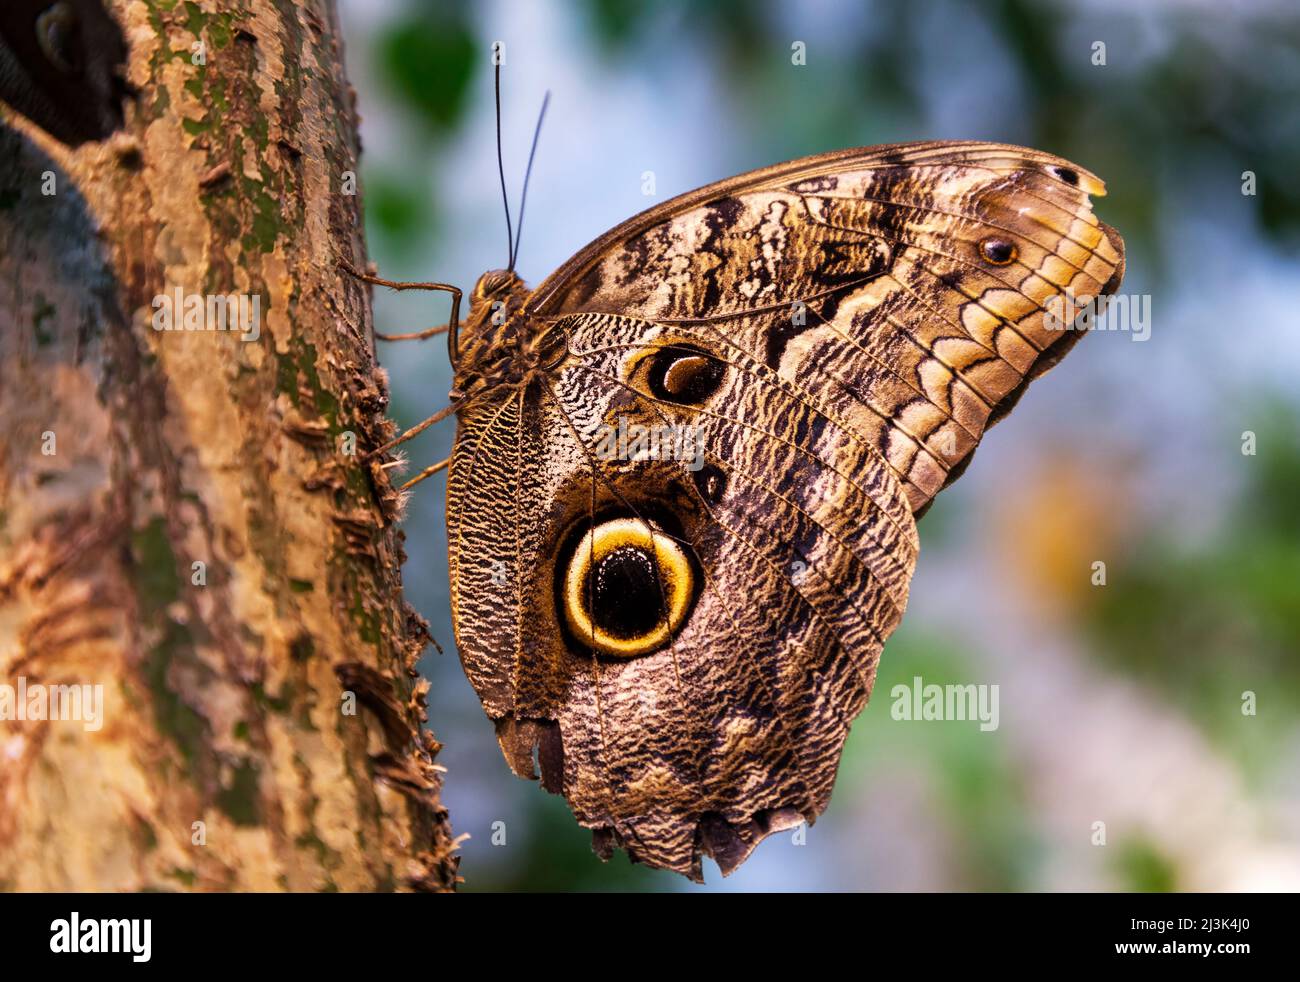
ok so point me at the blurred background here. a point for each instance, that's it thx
(1120, 703)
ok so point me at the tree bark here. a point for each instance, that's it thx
(261, 725)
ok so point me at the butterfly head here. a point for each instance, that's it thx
(497, 345)
(495, 285)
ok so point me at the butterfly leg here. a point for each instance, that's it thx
(427, 472)
(415, 430)
(450, 328)
(415, 336)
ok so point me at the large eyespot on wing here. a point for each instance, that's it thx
(907, 288)
(625, 587)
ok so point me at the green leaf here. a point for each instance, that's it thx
(428, 60)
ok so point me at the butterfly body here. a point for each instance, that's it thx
(497, 345)
(681, 639)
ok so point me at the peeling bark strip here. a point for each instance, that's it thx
(183, 518)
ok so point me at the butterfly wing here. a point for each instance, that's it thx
(834, 335)
(908, 282)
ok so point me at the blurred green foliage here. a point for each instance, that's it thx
(429, 57)
(1205, 624)
(398, 205)
(738, 27)
(1144, 869)
(559, 856)
(976, 785)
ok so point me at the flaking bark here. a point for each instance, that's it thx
(226, 702)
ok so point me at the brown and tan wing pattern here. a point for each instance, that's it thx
(905, 284)
(835, 333)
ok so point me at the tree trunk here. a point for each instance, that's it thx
(186, 517)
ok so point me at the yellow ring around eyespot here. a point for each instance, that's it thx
(675, 576)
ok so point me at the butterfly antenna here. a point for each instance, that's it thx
(501, 170)
(523, 198)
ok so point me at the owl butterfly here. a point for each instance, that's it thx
(680, 641)
(61, 65)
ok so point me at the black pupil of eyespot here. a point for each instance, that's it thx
(685, 375)
(998, 250)
(711, 482)
(626, 597)
(1067, 175)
